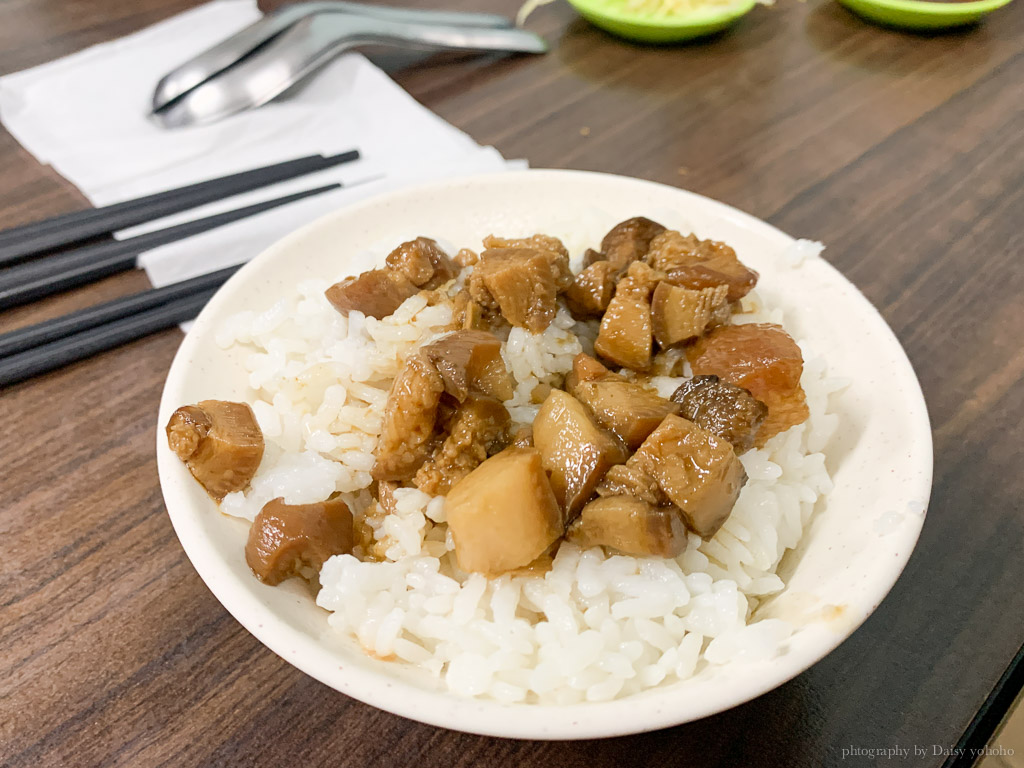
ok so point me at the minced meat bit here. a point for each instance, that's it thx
(478, 429)
(409, 420)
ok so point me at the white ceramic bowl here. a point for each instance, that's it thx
(850, 555)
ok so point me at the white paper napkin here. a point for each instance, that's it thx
(235, 242)
(86, 115)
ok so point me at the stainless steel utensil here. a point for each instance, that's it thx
(263, 60)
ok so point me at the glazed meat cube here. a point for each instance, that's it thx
(575, 451)
(629, 241)
(220, 443)
(586, 368)
(479, 294)
(640, 281)
(538, 241)
(672, 249)
(626, 333)
(626, 329)
(591, 291)
(678, 314)
(478, 429)
(698, 472)
(424, 262)
(623, 407)
(759, 357)
(295, 540)
(503, 515)
(521, 284)
(377, 293)
(470, 360)
(631, 526)
(409, 420)
(552, 249)
(725, 410)
(698, 277)
(412, 261)
(763, 359)
(696, 264)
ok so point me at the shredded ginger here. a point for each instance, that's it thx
(641, 7)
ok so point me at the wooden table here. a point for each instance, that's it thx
(904, 153)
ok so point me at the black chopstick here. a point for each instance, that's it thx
(48, 357)
(27, 282)
(30, 240)
(22, 339)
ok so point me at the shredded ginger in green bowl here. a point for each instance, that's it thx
(656, 21)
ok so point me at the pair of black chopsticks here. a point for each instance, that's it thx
(32, 272)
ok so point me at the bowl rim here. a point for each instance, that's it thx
(534, 721)
(696, 18)
(929, 8)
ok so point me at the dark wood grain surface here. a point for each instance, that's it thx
(904, 153)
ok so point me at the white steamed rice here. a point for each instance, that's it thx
(596, 626)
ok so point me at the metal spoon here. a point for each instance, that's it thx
(182, 79)
(282, 57)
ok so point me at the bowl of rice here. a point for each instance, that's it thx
(599, 644)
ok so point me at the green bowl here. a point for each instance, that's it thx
(660, 29)
(919, 14)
